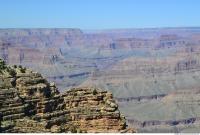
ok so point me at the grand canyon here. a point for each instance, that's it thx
(153, 73)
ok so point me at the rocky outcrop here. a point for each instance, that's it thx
(167, 41)
(132, 43)
(93, 110)
(28, 103)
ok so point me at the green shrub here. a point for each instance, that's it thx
(23, 70)
(94, 92)
(12, 72)
(15, 66)
(7, 70)
(2, 64)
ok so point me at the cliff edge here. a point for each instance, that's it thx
(30, 104)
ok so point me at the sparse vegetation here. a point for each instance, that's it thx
(2, 64)
(22, 69)
(11, 72)
(94, 92)
(30, 94)
(6, 69)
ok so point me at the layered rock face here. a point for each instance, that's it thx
(141, 67)
(28, 103)
(69, 56)
(93, 110)
(159, 95)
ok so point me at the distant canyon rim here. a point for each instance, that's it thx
(154, 74)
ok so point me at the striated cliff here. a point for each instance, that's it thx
(141, 67)
(28, 103)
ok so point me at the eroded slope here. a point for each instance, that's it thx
(28, 103)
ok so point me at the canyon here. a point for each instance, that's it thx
(30, 104)
(153, 73)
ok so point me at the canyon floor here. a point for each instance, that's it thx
(154, 74)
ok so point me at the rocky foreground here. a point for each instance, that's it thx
(29, 104)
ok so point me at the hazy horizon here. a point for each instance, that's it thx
(107, 29)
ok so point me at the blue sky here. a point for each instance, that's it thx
(99, 14)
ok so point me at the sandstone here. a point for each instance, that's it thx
(55, 129)
(30, 104)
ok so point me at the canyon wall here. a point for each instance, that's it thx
(29, 104)
(149, 71)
